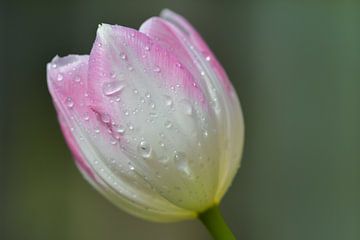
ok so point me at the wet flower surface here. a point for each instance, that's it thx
(151, 118)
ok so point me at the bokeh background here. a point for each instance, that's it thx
(296, 68)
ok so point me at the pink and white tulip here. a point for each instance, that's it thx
(151, 118)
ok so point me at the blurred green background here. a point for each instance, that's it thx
(296, 68)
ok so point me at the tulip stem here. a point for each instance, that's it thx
(214, 222)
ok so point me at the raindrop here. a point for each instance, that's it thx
(186, 107)
(120, 129)
(77, 79)
(112, 75)
(208, 58)
(69, 102)
(123, 56)
(105, 118)
(157, 69)
(59, 77)
(111, 88)
(135, 91)
(144, 149)
(180, 162)
(131, 167)
(131, 127)
(168, 101)
(168, 124)
(162, 144)
(147, 94)
(147, 48)
(178, 65)
(86, 117)
(130, 68)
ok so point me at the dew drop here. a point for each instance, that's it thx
(120, 129)
(157, 69)
(131, 167)
(178, 65)
(69, 102)
(105, 118)
(123, 56)
(135, 91)
(168, 101)
(180, 162)
(111, 88)
(130, 68)
(77, 79)
(144, 149)
(112, 75)
(59, 77)
(208, 58)
(147, 94)
(86, 117)
(186, 107)
(147, 48)
(168, 124)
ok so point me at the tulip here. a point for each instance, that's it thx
(152, 120)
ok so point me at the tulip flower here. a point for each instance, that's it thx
(152, 120)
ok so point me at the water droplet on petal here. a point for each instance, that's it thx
(77, 79)
(168, 124)
(181, 163)
(112, 75)
(123, 56)
(131, 167)
(86, 117)
(208, 58)
(147, 94)
(144, 149)
(59, 77)
(111, 88)
(157, 69)
(168, 101)
(69, 102)
(186, 107)
(147, 48)
(120, 129)
(105, 118)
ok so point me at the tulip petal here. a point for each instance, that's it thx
(68, 85)
(164, 114)
(224, 99)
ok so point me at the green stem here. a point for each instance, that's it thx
(214, 222)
